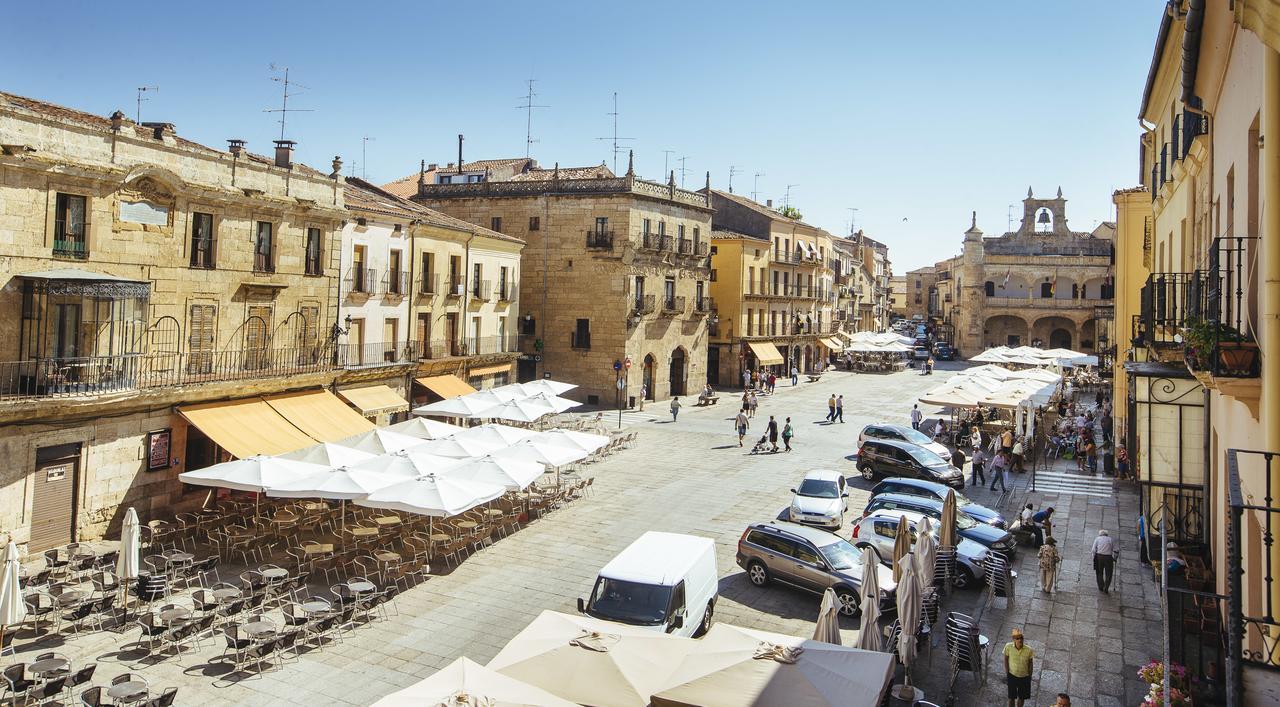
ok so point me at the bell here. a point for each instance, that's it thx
(1043, 218)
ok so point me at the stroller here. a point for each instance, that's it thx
(762, 446)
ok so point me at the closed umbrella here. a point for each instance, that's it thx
(381, 440)
(425, 428)
(130, 547)
(495, 434)
(12, 608)
(901, 547)
(464, 683)
(947, 531)
(909, 621)
(439, 495)
(868, 628)
(328, 454)
(514, 474)
(827, 628)
(926, 554)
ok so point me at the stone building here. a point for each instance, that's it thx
(898, 295)
(615, 269)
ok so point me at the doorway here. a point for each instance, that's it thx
(647, 378)
(713, 365)
(677, 373)
(53, 500)
(1060, 339)
(451, 334)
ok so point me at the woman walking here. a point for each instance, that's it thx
(787, 434)
(1049, 561)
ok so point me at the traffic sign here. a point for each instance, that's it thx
(617, 365)
(627, 363)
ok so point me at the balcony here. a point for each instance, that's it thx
(480, 289)
(262, 262)
(455, 286)
(580, 340)
(429, 285)
(507, 291)
(71, 248)
(655, 241)
(703, 305)
(468, 346)
(673, 305)
(1251, 624)
(360, 280)
(368, 355)
(599, 240)
(1219, 343)
(395, 284)
(684, 246)
(700, 249)
(644, 304)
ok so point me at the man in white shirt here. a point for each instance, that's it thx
(916, 417)
(1104, 560)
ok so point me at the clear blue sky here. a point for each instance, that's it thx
(874, 106)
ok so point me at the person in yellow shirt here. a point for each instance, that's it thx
(1018, 660)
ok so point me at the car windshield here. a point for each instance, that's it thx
(818, 488)
(916, 436)
(926, 457)
(964, 522)
(630, 602)
(841, 555)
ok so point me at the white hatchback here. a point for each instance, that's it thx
(819, 500)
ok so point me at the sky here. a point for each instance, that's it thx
(915, 114)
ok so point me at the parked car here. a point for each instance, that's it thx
(664, 581)
(891, 457)
(920, 353)
(819, 500)
(904, 433)
(943, 351)
(879, 530)
(810, 559)
(934, 490)
(988, 536)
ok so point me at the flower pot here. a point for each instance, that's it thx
(1238, 359)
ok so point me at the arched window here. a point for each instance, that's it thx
(1046, 290)
(990, 287)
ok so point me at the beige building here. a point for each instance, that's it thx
(898, 295)
(615, 268)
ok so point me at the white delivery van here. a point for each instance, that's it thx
(665, 581)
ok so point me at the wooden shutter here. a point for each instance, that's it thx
(257, 330)
(202, 331)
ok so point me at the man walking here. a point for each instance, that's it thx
(1042, 525)
(916, 417)
(746, 379)
(772, 429)
(1107, 423)
(831, 408)
(742, 423)
(1104, 560)
(1019, 660)
(978, 478)
(840, 408)
(773, 382)
(999, 467)
(675, 408)
(795, 376)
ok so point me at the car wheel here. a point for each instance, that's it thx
(848, 602)
(758, 573)
(706, 619)
(964, 578)
(867, 472)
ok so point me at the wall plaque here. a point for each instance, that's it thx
(144, 212)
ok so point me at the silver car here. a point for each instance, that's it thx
(879, 530)
(810, 559)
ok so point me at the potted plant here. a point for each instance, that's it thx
(1206, 341)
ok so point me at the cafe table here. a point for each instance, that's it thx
(128, 691)
(318, 549)
(316, 607)
(178, 613)
(259, 629)
(49, 667)
(226, 594)
(363, 532)
(387, 520)
(361, 587)
(274, 574)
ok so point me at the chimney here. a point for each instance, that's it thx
(459, 153)
(768, 203)
(235, 147)
(284, 153)
(449, 166)
(159, 130)
(432, 167)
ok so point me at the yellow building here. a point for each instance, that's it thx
(1133, 265)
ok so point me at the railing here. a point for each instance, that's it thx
(507, 291)
(396, 283)
(469, 346)
(480, 289)
(700, 248)
(201, 253)
(263, 262)
(1232, 351)
(360, 280)
(644, 304)
(655, 241)
(673, 305)
(71, 248)
(703, 304)
(356, 355)
(580, 340)
(1253, 632)
(684, 246)
(1168, 302)
(429, 284)
(455, 286)
(600, 239)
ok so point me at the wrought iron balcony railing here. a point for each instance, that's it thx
(361, 280)
(644, 304)
(673, 305)
(396, 283)
(71, 248)
(600, 239)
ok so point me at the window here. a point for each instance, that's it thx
(390, 334)
(263, 255)
(804, 553)
(495, 223)
(394, 284)
(313, 252)
(751, 280)
(257, 338)
(308, 343)
(602, 224)
(773, 323)
(502, 284)
(428, 273)
(477, 288)
(1046, 290)
(662, 228)
(456, 285)
(669, 292)
(775, 282)
(359, 274)
(990, 288)
(582, 334)
(528, 326)
(502, 335)
(697, 236)
(751, 320)
(69, 226)
(645, 226)
(202, 334)
(535, 223)
(697, 294)
(680, 231)
(917, 284)
(202, 240)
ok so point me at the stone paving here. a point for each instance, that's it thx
(690, 476)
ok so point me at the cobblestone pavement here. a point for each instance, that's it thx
(690, 476)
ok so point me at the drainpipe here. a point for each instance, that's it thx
(466, 277)
(410, 321)
(1269, 270)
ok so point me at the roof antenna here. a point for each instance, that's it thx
(683, 171)
(787, 200)
(528, 107)
(142, 90)
(364, 161)
(732, 171)
(284, 110)
(615, 137)
(755, 185)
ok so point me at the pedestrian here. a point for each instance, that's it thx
(1122, 462)
(787, 434)
(975, 438)
(1097, 398)
(831, 408)
(1049, 561)
(1064, 700)
(1104, 560)
(746, 379)
(1042, 525)
(978, 478)
(928, 367)
(795, 377)
(1019, 661)
(1091, 456)
(916, 417)
(755, 403)
(1025, 517)
(840, 408)
(742, 423)
(999, 467)
(772, 429)
(773, 383)
(675, 408)
(644, 394)
(1006, 441)
(1016, 455)
(1107, 422)
(957, 460)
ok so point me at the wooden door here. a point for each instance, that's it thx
(53, 499)
(202, 332)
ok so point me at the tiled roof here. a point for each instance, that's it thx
(726, 234)
(407, 186)
(363, 196)
(1131, 190)
(540, 175)
(757, 207)
(97, 122)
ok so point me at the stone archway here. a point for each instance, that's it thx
(1088, 335)
(1052, 331)
(1004, 330)
(677, 376)
(647, 378)
(1059, 339)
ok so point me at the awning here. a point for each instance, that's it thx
(375, 399)
(832, 343)
(489, 370)
(246, 427)
(446, 386)
(766, 353)
(320, 414)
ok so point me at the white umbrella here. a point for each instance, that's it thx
(514, 474)
(432, 495)
(547, 385)
(543, 452)
(469, 405)
(459, 448)
(328, 454)
(827, 628)
(464, 683)
(12, 608)
(341, 483)
(868, 629)
(424, 428)
(130, 547)
(513, 391)
(499, 435)
(584, 440)
(908, 620)
(380, 440)
(556, 402)
(925, 554)
(254, 474)
(526, 410)
(407, 464)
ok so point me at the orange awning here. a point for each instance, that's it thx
(320, 414)
(246, 427)
(374, 399)
(489, 370)
(766, 353)
(446, 386)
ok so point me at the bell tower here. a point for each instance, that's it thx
(1044, 216)
(971, 297)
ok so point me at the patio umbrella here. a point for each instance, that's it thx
(547, 385)
(424, 428)
(465, 682)
(458, 447)
(542, 452)
(947, 531)
(901, 547)
(592, 662)
(498, 435)
(254, 474)
(556, 402)
(908, 620)
(827, 628)
(736, 666)
(525, 410)
(130, 547)
(381, 440)
(869, 626)
(469, 405)
(328, 454)
(925, 554)
(513, 391)
(339, 483)
(514, 474)
(12, 608)
(584, 440)
(432, 495)
(408, 463)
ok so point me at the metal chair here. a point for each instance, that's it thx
(17, 684)
(94, 697)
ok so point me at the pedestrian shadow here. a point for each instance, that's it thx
(726, 446)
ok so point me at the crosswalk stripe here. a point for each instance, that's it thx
(1074, 484)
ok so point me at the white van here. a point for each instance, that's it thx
(665, 581)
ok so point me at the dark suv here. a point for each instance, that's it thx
(938, 492)
(889, 457)
(990, 537)
(943, 351)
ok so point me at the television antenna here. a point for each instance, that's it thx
(615, 138)
(853, 219)
(364, 159)
(666, 155)
(683, 171)
(1009, 222)
(528, 107)
(787, 200)
(755, 185)
(142, 90)
(284, 110)
(732, 171)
